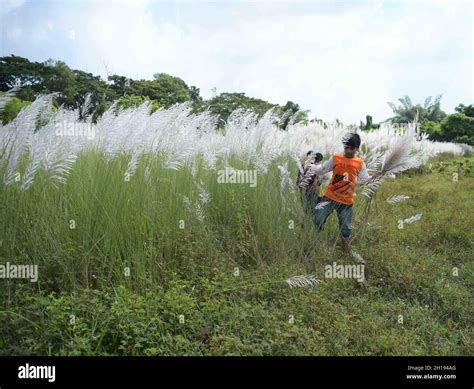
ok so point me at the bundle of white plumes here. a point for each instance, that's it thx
(403, 155)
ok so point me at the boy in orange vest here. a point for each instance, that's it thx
(347, 170)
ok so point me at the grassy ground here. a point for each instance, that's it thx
(216, 287)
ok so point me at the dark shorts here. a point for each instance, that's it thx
(344, 215)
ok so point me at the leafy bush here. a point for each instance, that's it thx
(12, 108)
(458, 127)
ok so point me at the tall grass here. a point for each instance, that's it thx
(143, 196)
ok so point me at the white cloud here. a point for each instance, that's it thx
(9, 5)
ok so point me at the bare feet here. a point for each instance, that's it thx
(345, 245)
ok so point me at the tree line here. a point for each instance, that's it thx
(71, 87)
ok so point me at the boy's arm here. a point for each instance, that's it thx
(318, 170)
(363, 176)
(322, 169)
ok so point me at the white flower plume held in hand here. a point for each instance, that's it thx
(401, 157)
(322, 204)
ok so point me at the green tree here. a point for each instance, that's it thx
(458, 127)
(69, 86)
(291, 113)
(59, 78)
(368, 125)
(120, 85)
(169, 90)
(194, 94)
(433, 129)
(224, 104)
(407, 112)
(19, 71)
(72, 88)
(135, 101)
(100, 93)
(467, 110)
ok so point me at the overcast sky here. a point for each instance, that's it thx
(339, 59)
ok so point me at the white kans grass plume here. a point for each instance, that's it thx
(285, 178)
(204, 196)
(133, 164)
(194, 208)
(197, 207)
(16, 136)
(180, 137)
(397, 199)
(174, 165)
(413, 218)
(322, 204)
(302, 281)
(298, 164)
(56, 154)
(357, 256)
(147, 174)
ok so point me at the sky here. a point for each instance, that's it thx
(338, 59)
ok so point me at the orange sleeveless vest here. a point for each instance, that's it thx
(344, 178)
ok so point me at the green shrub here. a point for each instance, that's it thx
(12, 108)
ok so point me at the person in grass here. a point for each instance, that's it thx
(308, 182)
(347, 170)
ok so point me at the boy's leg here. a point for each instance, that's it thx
(344, 214)
(302, 198)
(313, 201)
(325, 207)
(306, 201)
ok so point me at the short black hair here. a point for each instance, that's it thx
(351, 139)
(318, 157)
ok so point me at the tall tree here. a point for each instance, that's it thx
(19, 71)
(291, 113)
(169, 90)
(467, 110)
(407, 112)
(225, 103)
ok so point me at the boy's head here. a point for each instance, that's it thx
(316, 157)
(351, 142)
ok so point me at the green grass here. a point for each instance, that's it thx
(191, 271)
